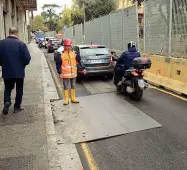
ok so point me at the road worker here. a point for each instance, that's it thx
(66, 65)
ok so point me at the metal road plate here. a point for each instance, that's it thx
(98, 116)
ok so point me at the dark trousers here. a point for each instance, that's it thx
(118, 74)
(9, 86)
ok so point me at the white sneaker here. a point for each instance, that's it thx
(120, 83)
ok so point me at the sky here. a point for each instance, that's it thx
(61, 3)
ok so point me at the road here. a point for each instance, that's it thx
(162, 148)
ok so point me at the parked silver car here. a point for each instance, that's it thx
(53, 45)
(96, 59)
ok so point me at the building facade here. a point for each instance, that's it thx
(128, 3)
(16, 13)
(125, 4)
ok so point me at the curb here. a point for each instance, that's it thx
(53, 156)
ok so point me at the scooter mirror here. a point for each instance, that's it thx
(113, 53)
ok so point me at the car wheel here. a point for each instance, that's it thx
(78, 79)
(48, 50)
(110, 77)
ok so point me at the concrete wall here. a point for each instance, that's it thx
(20, 20)
(170, 74)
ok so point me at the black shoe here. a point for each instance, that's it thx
(6, 108)
(16, 110)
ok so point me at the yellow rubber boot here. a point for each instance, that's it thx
(73, 99)
(66, 97)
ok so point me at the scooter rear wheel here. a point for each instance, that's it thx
(137, 95)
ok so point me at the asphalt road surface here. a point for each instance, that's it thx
(162, 148)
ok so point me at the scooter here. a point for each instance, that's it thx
(133, 83)
(41, 43)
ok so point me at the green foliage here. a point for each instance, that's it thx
(96, 8)
(50, 16)
(139, 1)
(77, 15)
(71, 17)
(38, 23)
(66, 18)
(49, 13)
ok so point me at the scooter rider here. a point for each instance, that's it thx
(125, 61)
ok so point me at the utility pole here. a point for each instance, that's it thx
(170, 27)
(84, 21)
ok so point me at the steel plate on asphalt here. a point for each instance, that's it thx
(98, 116)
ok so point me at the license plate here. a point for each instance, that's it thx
(141, 83)
(95, 61)
(43, 43)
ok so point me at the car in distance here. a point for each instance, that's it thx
(53, 44)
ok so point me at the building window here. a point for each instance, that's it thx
(25, 17)
(13, 9)
(4, 14)
(5, 6)
(17, 13)
(140, 21)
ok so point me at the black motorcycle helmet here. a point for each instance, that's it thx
(131, 44)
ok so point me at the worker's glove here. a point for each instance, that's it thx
(84, 72)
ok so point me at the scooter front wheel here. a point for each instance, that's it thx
(118, 88)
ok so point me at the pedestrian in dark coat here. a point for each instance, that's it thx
(14, 56)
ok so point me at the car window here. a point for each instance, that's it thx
(93, 51)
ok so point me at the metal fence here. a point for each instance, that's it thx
(165, 27)
(114, 30)
(69, 33)
(78, 34)
(50, 34)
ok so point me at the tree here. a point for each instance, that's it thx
(49, 13)
(71, 17)
(77, 15)
(66, 18)
(139, 2)
(50, 16)
(96, 8)
(38, 23)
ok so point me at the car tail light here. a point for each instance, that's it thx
(143, 74)
(134, 73)
(111, 61)
(93, 46)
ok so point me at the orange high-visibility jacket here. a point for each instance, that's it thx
(69, 65)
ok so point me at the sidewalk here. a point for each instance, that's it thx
(28, 139)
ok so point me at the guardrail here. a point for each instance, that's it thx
(169, 74)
